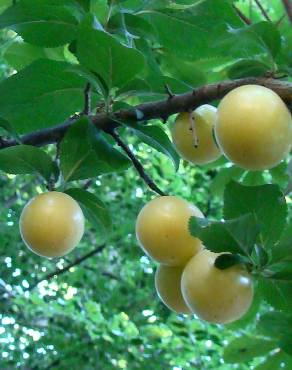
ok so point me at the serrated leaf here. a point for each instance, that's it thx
(245, 348)
(114, 62)
(48, 23)
(86, 153)
(235, 236)
(214, 236)
(41, 95)
(155, 137)
(26, 159)
(265, 201)
(95, 211)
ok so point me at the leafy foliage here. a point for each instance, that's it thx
(102, 312)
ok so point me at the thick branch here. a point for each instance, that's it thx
(160, 109)
(76, 262)
(136, 164)
(288, 6)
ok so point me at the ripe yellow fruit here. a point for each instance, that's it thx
(168, 287)
(214, 295)
(162, 230)
(183, 138)
(51, 224)
(254, 127)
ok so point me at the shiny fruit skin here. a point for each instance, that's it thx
(162, 230)
(51, 224)
(207, 150)
(214, 295)
(254, 127)
(168, 288)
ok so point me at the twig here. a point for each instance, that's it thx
(87, 99)
(136, 164)
(280, 20)
(263, 11)
(168, 91)
(76, 262)
(288, 6)
(243, 17)
(158, 109)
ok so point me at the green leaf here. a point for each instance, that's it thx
(135, 24)
(85, 153)
(275, 324)
(244, 230)
(41, 95)
(260, 255)
(21, 54)
(46, 23)
(193, 28)
(283, 249)
(114, 62)
(280, 271)
(155, 137)
(260, 38)
(95, 211)
(224, 261)
(99, 9)
(245, 348)
(269, 34)
(26, 159)
(247, 68)
(277, 293)
(265, 201)
(185, 71)
(235, 236)
(278, 360)
(253, 178)
(285, 344)
(214, 236)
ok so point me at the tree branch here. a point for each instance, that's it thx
(288, 6)
(136, 163)
(159, 109)
(241, 15)
(76, 262)
(263, 11)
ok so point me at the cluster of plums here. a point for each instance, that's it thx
(187, 280)
(252, 127)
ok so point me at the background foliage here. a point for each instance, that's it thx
(103, 313)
